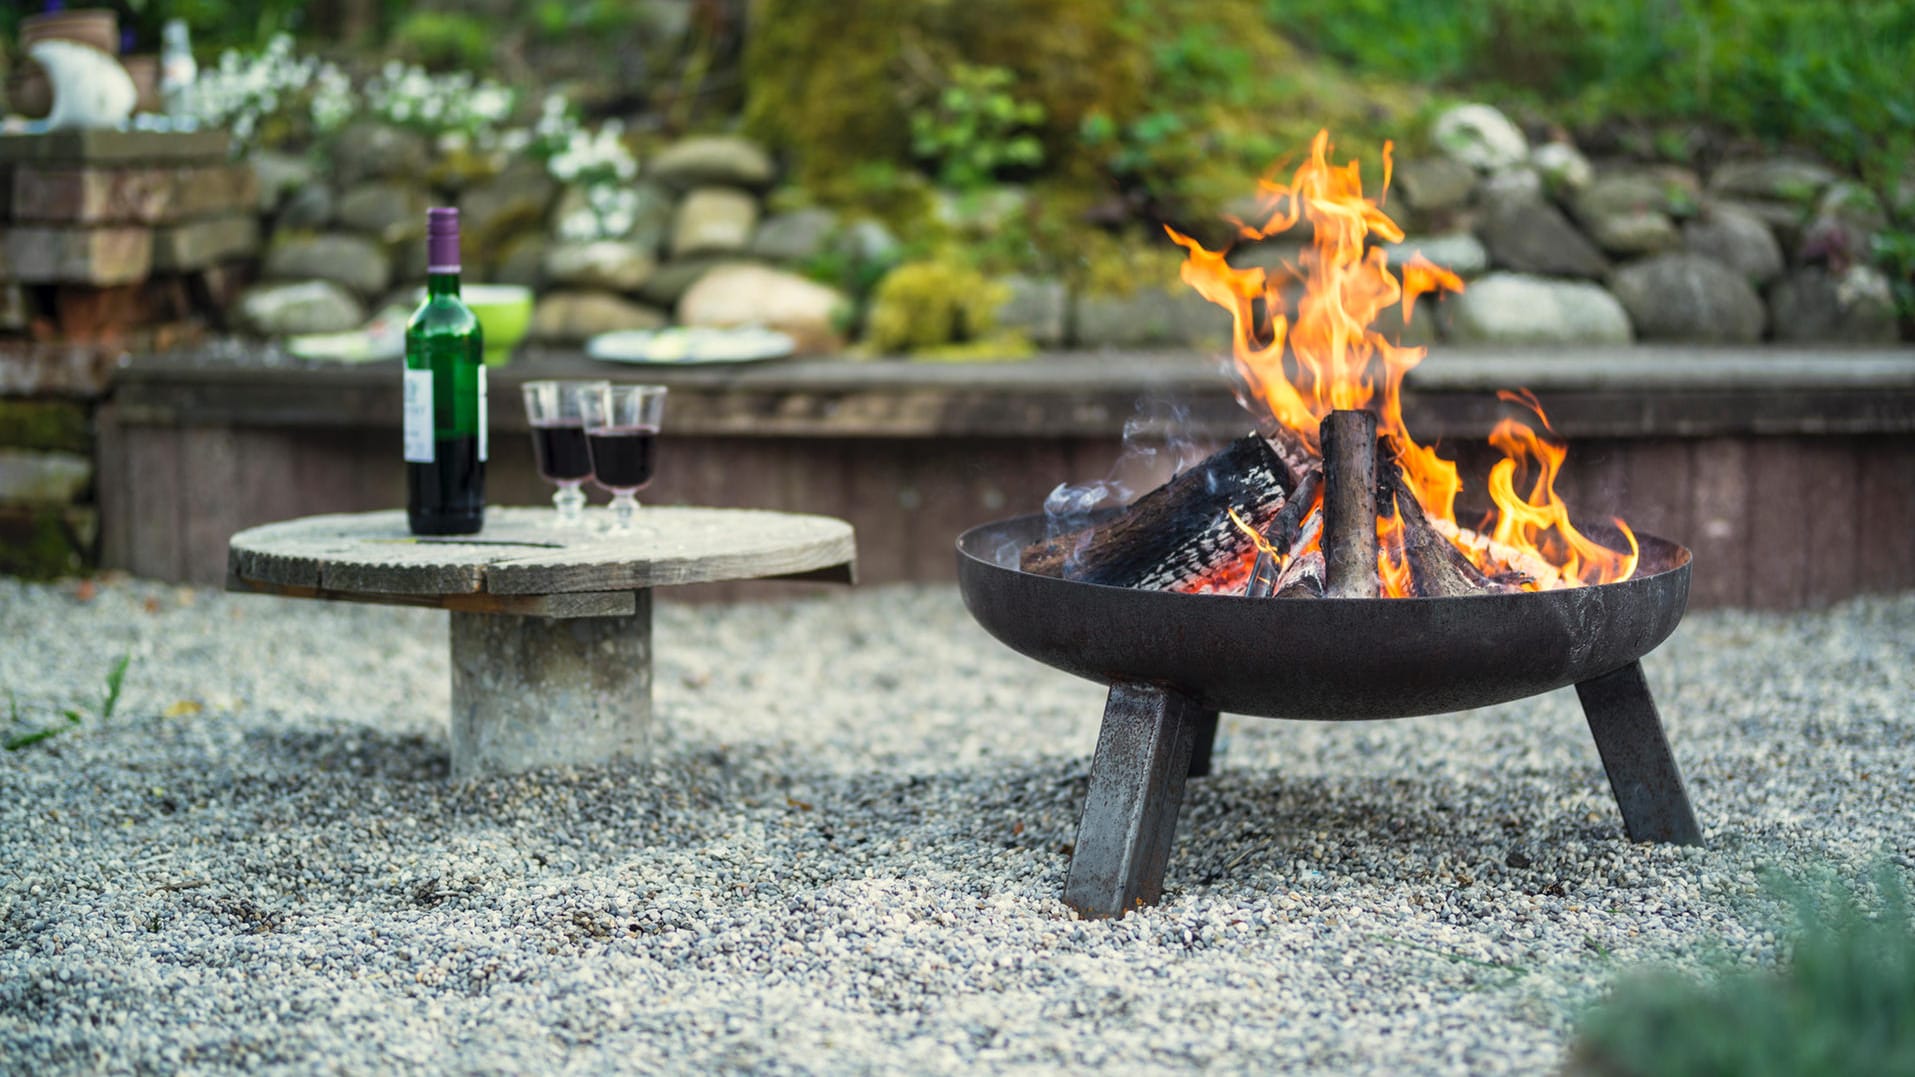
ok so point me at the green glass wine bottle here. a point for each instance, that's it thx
(445, 400)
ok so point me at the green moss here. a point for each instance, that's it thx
(45, 425)
(44, 542)
(444, 40)
(834, 85)
(924, 306)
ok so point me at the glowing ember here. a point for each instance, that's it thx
(1301, 363)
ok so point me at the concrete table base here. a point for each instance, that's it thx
(534, 691)
(551, 626)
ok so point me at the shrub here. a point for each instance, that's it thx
(1843, 1003)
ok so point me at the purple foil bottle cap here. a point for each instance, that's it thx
(442, 240)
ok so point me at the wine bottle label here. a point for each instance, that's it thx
(484, 439)
(418, 417)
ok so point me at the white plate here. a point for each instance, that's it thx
(690, 346)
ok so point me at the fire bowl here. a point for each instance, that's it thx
(1324, 658)
(1173, 661)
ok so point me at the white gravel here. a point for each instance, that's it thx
(846, 854)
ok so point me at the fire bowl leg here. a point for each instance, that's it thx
(535, 691)
(1203, 742)
(1635, 753)
(1136, 787)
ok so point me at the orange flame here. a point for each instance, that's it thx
(1392, 563)
(1300, 360)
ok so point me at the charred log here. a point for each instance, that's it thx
(1282, 534)
(1180, 531)
(1348, 440)
(1302, 577)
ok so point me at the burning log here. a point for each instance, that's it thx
(1180, 531)
(1348, 440)
(1437, 568)
(1282, 534)
(1303, 576)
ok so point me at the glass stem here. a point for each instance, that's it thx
(570, 502)
(624, 508)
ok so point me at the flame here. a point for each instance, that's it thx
(1392, 563)
(1302, 360)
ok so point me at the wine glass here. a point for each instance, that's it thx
(557, 410)
(621, 432)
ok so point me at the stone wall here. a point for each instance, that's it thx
(1561, 249)
(110, 241)
(693, 242)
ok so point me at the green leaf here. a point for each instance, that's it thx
(114, 678)
(27, 740)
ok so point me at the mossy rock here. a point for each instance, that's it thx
(833, 84)
(923, 306)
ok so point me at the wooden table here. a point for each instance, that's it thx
(551, 630)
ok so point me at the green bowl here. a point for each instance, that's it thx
(504, 312)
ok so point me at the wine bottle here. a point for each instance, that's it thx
(445, 419)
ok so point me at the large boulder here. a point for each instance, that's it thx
(1459, 252)
(495, 212)
(1854, 306)
(1529, 235)
(608, 264)
(387, 211)
(307, 209)
(1435, 189)
(1481, 137)
(712, 160)
(738, 295)
(569, 317)
(369, 150)
(795, 237)
(1736, 238)
(1771, 179)
(673, 279)
(314, 306)
(1514, 308)
(714, 220)
(522, 262)
(1150, 316)
(353, 262)
(1563, 168)
(1691, 298)
(279, 175)
(1631, 211)
(1038, 307)
(1843, 227)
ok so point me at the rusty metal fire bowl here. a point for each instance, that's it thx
(1173, 661)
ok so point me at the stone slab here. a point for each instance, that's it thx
(100, 256)
(525, 552)
(116, 147)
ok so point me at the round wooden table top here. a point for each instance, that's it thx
(525, 553)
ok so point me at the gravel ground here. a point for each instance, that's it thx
(846, 853)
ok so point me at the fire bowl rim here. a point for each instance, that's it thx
(1446, 654)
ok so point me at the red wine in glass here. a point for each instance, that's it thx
(560, 448)
(623, 457)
